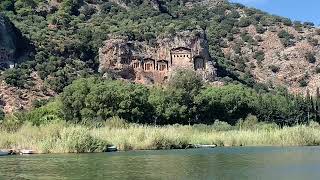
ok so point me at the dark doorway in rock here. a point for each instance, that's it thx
(149, 64)
(136, 64)
(162, 65)
(199, 63)
(124, 60)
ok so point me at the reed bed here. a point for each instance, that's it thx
(70, 138)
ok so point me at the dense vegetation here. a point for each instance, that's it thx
(186, 100)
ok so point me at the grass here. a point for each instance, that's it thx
(69, 138)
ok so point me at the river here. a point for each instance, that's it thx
(217, 163)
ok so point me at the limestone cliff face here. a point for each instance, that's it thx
(12, 45)
(153, 62)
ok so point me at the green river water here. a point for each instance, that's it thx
(217, 163)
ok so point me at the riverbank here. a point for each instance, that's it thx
(68, 138)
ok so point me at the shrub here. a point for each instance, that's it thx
(230, 37)
(39, 102)
(246, 37)
(248, 78)
(286, 38)
(258, 38)
(313, 41)
(287, 42)
(267, 20)
(11, 123)
(285, 34)
(2, 114)
(235, 30)
(308, 24)
(260, 29)
(259, 56)
(237, 48)
(224, 44)
(244, 22)
(250, 122)
(310, 57)
(260, 87)
(303, 83)
(298, 26)
(42, 115)
(17, 77)
(221, 126)
(241, 66)
(272, 29)
(287, 21)
(234, 14)
(116, 122)
(274, 68)
(314, 124)
(227, 80)
(267, 126)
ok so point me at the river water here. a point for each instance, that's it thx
(217, 163)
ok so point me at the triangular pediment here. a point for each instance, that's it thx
(181, 50)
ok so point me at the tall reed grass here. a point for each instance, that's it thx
(69, 138)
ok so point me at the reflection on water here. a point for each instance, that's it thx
(218, 163)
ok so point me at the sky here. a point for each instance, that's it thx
(301, 10)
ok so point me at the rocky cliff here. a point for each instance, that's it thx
(154, 61)
(12, 44)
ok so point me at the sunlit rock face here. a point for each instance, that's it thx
(153, 62)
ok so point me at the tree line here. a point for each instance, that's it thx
(185, 100)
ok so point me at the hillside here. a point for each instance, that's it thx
(281, 54)
(13, 49)
(247, 45)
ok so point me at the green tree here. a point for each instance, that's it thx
(189, 83)
(95, 99)
(228, 103)
(168, 106)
